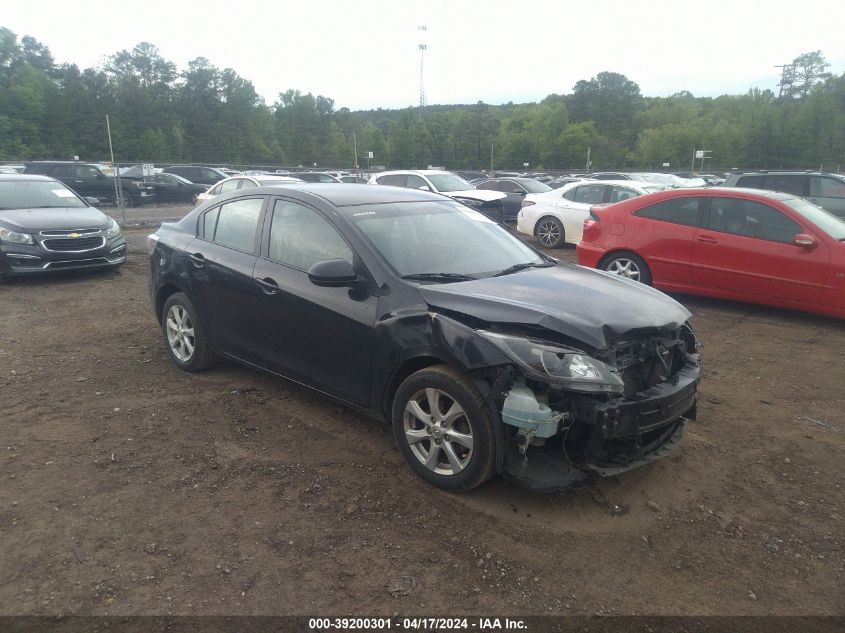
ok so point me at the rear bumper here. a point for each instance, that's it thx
(589, 255)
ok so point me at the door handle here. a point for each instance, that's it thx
(706, 239)
(197, 259)
(268, 285)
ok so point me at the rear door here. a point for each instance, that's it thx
(222, 261)
(747, 247)
(574, 207)
(319, 336)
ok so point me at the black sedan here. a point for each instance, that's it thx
(515, 189)
(45, 227)
(173, 188)
(482, 354)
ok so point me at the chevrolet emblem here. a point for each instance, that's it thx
(74, 234)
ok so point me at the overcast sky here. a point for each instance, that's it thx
(364, 54)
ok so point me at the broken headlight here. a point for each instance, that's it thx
(563, 367)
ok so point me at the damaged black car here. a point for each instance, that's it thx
(484, 355)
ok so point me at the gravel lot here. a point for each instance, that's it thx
(130, 487)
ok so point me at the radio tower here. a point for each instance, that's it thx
(422, 47)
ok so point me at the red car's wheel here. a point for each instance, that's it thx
(627, 265)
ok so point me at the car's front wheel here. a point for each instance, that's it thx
(627, 265)
(550, 232)
(443, 429)
(183, 334)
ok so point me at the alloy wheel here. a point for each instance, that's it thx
(624, 268)
(180, 333)
(438, 431)
(548, 232)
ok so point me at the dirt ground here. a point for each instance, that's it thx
(129, 487)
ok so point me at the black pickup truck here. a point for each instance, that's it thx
(93, 180)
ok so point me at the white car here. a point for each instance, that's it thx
(557, 216)
(671, 181)
(487, 202)
(243, 182)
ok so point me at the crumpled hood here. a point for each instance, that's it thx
(485, 195)
(58, 219)
(587, 305)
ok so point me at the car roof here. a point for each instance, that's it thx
(19, 177)
(340, 194)
(423, 172)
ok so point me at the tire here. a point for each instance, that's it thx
(549, 232)
(128, 200)
(430, 447)
(628, 265)
(188, 347)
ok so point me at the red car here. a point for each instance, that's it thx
(744, 244)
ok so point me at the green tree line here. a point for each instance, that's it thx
(161, 114)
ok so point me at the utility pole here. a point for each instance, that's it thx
(355, 145)
(491, 158)
(422, 46)
(589, 162)
(118, 189)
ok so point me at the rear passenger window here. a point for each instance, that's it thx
(237, 223)
(824, 187)
(618, 194)
(678, 211)
(230, 185)
(415, 182)
(394, 180)
(588, 194)
(751, 182)
(794, 184)
(751, 219)
(300, 237)
(209, 222)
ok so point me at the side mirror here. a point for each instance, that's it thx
(332, 273)
(424, 188)
(519, 192)
(100, 175)
(93, 202)
(804, 241)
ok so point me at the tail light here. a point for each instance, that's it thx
(591, 220)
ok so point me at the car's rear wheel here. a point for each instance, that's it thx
(550, 232)
(183, 334)
(128, 199)
(627, 265)
(443, 429)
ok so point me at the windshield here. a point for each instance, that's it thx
(36, 194)
(532, 186)
(449, 182)
(440, 237)
(827, 222)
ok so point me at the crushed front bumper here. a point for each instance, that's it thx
(608, 437)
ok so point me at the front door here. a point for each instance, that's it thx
(747, 247)
(319, 336)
